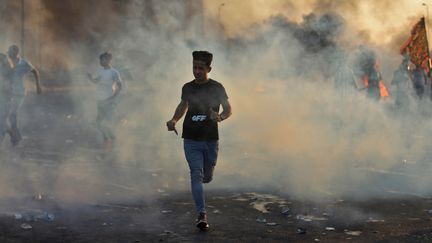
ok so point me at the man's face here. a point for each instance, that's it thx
(13, 54)
(105, 62)
(200, 70)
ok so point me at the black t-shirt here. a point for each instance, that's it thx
(201, 99)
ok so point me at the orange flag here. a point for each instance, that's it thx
(383, 89)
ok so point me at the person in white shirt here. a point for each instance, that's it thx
(6, 73)
(109, 85)
(21, 68)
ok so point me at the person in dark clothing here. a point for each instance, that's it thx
(374, 77)
(201, 100)
(419, 80)
(402, 81)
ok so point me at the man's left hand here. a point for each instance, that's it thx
(215, 116)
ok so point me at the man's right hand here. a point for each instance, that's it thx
(171, 126)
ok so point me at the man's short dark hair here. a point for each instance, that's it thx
(204, 56)
(105, 55)
(14, 48)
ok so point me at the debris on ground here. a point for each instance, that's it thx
(285, 211)
(353, 233)
(261, 220)
(26, 226)
(309, 218)
(301, 231)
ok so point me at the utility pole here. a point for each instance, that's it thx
(22, 27)
(427, 16)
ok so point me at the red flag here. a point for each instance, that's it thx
(417, 46)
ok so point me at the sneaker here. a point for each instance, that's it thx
(201, 222)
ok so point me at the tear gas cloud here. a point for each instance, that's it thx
(290, 131)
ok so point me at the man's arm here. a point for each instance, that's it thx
(227, 112)
(90, 77)
(117, 89)
(178, 114)
(37, 78)
(118, 83)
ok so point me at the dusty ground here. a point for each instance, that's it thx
(111, 214)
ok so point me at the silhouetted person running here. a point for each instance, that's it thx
(201, 100)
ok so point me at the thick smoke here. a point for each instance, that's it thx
(290, 131)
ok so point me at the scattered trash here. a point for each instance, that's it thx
(303, 218)
(49, 217)
(285, 211)
(330, 228)
(166, 232)
(69, 116)
(371, 220)
(414, 219)
(261, 220)
(316, 240)
(216, 211)
(272, 224)
(38, 197)
(35, 216)
(26, 226)
(166, 211)
(353, 233)
(260, 201)
(301, 231)
(326, 215)
(309, 218)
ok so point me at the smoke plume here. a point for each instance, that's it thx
(290, 130)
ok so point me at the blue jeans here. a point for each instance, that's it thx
(201, 157)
